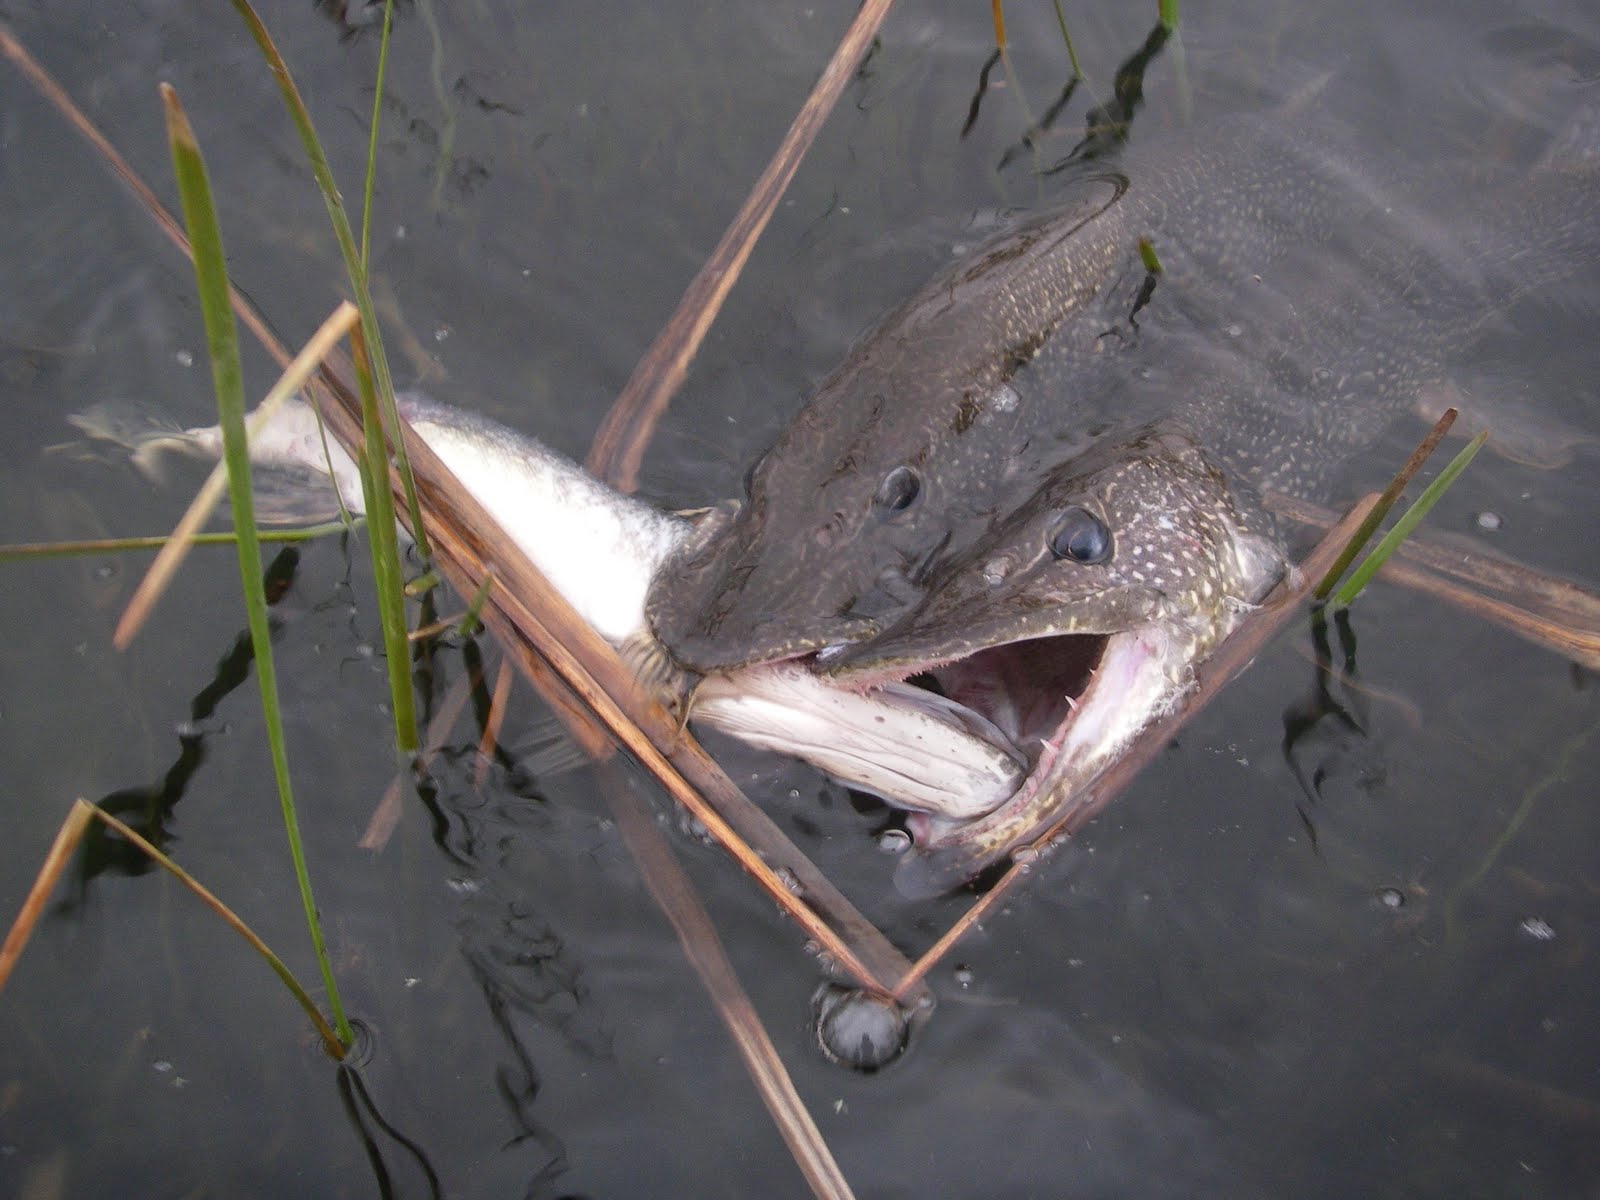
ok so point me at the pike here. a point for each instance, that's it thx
(1035, 485)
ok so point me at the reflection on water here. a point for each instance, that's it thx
(1212, 992)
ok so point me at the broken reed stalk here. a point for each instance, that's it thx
(55, 861)
(1237, 651)
(1547, 610)
(675, 896)
(1386, 501)
(1409, 520)
(620, 443)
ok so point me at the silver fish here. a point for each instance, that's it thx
(602, 550)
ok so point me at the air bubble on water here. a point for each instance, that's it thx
(185, 358)
(1489, 521)
(857, 1029)
(1391, 898)
(962, 975)
(894, 841)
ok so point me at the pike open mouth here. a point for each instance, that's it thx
(1067, 704)
(986, 749)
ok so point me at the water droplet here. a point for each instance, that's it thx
(185, 358)
(789, 880)
(833, 651)
(995, 571)
(1391, 898)
(1489, 521)
(962, 975)
(105, 571)
(162, 1065)
(894, 841)
(1234, 331)
(858, 1029)
(441, 333)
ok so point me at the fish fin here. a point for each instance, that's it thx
(548, 751)
(145, 433)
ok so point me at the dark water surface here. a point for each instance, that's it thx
(1362, 967)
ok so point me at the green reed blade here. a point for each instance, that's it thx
(222, 346)
(388, 578)
(353, 261)
(1407, 522)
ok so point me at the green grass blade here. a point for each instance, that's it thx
(388, 579)
(222, 345)
(1167, 11)
(25, 550)
(1407, 522)
(353, 262)
(372, 137)
(1386, 501)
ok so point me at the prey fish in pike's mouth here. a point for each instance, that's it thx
(1071, 627)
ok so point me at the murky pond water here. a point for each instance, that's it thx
(1358, 966)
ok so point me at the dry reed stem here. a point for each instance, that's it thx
(620, 443)
(675, 896)
(1557, 613)
(492, 723)
(55, 861)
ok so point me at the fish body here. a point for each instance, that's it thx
(601, 550)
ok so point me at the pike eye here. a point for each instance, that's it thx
(1081, 536)
(898, 491)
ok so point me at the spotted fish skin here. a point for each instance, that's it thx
(1305, 301)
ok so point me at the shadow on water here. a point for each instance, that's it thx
(1326, 734)
(149, 809)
